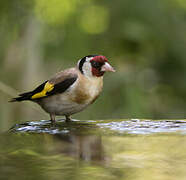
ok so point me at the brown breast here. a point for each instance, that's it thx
(87, 89)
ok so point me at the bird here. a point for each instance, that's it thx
(72, 90)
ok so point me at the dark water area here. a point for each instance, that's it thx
(110, 149)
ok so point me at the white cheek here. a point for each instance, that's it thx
(87, 69)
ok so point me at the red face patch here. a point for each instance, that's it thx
(97, 62)
(100, 59)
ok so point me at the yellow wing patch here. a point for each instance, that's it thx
(48, 87)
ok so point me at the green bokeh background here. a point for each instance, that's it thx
(144, 40)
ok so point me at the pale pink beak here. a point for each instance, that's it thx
(107, 67)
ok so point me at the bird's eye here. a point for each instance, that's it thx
(96, 64)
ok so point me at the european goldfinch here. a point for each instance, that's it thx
(72, 90)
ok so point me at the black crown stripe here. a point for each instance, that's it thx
(82, 61)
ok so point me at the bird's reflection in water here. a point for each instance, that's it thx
(85, 147)
(80, 140)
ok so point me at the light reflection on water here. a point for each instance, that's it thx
(136, 126)
(92, 150)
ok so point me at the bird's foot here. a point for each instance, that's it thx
(52, 119)
(68, 119)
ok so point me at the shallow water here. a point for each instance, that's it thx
(112, 149)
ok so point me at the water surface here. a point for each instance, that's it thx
(113, 149)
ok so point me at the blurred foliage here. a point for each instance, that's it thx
(145, 41)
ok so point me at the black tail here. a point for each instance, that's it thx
(28, 95)
(22, 97)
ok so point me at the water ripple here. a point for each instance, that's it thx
(133, 126)
(136, 126)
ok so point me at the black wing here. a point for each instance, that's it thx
(43, 91)
(62, 86)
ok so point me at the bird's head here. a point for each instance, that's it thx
(94, 65)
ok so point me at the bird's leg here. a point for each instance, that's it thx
(68, 119)
(52, 118)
